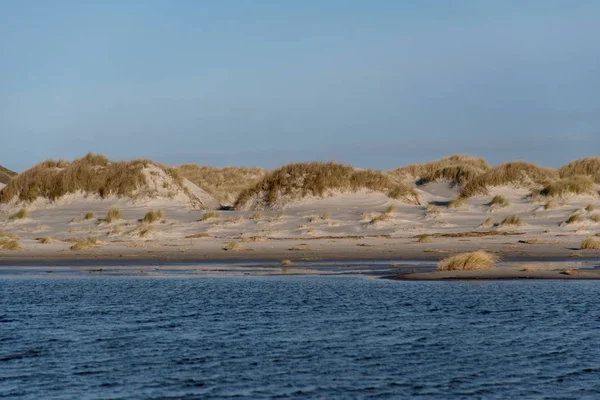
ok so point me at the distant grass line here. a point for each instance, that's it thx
(296, 181)
(92, 174)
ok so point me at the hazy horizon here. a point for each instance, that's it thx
(377, 85)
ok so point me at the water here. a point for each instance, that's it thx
(312, 337)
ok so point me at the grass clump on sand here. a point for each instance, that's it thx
(6, 175)
(516, 173)
(550, 204)
(576, 185)
(590, 208)
(575, 218)
(9, 244)
(499, 201)
(45, 240)
(296, 181)
(82, 244)
(512, 220)
(210, 215)
(224, 184)
(255, 216)
(112, 215)
(457, 168)
(232, 246)
(458, 202)
(286, 263)
(21, 214)
(93, 174)
(88, 215)
(152, 216)
(590, 243)
(595, 218)
(489, 222)
(468, 261)
(424, 238)
(588, 166)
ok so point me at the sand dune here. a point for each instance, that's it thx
(514, 220)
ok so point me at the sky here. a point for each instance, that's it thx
(376, 84)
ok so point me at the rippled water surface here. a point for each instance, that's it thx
(312, 337)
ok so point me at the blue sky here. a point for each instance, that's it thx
(372, 83)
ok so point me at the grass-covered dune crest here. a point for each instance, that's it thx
(296, 181)
(6, 175)
(458, 168)
(96, 175)
(514, 173)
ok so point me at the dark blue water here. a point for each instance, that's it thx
(311, 337)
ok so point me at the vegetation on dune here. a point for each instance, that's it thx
(6, 175)
(468, 261)
(550, 204)
(516, 173)
(152, 216)
(577, 184)
(113, 215)
(296, 181)
(512, 220)
(499, 201)
(21, 214)
(82, 244)
(88, 215)
(286, 263)
(9, 244)
(92, 174)
(210, 215)
(458, 202)
(588, 166)
(590, 243)
(224, 184)
(457, 168)
(575, 218)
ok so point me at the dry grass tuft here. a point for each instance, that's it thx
(575, 218)
(588, 166)
(458, 202)
(21, 214)
(590, 243)
(432, 210)
(517, 173)
(256, 216)
(232, 246)
(574, 185)
(286, 263)
(88, 215)
(224, 184)
(112, 215)
(210, 215)
(152, 216)
(590, 208)
(425, 238)
(550, 204)
(92, 174)
(380, 218)
(595, 218)
(512, 220)
(45, 240)
(6, 175)
(9, 244)
(296, 181)
(487, 223)
(82, 244)
(499, 201)
(468, 261)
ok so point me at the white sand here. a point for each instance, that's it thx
(330, 228)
